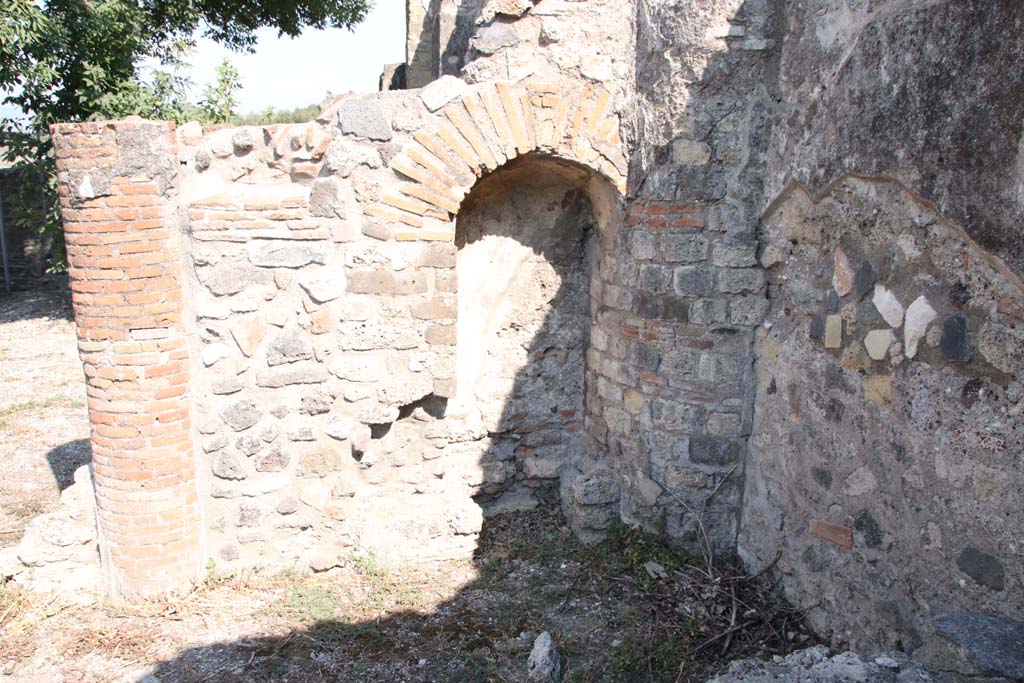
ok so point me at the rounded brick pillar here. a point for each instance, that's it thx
(115, 180)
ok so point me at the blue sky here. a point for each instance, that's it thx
(287, 73)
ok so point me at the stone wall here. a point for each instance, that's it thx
(728, 274)
(887, 416)
(887, 430)
(701, 71)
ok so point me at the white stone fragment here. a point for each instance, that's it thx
(339, 429)
(442, 91)
(214, 353)
(85, 190)
(212, 310)
(323, 285)
(316, 495)
(267, 484)
(888, 305)
(544, 665)
(878, 342)
(919, 316)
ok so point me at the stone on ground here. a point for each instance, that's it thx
(543, 665)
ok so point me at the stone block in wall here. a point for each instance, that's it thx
(361, 336)
(715, 451)
(363, 118)
(386, 282)
(684, 247)
(344, 157)
(303, 372)
(231, 276)
(287, 254)
(693, 281)
(740, 280)
(289, 346)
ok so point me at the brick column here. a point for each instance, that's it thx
(115, 180)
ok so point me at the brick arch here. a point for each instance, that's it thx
(489, 126)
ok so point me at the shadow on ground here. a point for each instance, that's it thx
(67, 458)
(39, 302)
(615, 617)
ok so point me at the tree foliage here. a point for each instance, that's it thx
(74, 60)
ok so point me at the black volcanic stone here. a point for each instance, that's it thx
(956, 340)
(993, 644)
(864, 280)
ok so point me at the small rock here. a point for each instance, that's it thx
(993, 644)
(308, 372)
(223, 386)
(878, 342)
(985, 569)
(339, 429)
(243, 141)
(227, 466)
(229, 552)
(274, 460)
(878, 389)
(888, 306)
(442, 91)
(887, 662)
(289, 346)
(920, 314)
(270, 253)
(287, 505)
(543, 666)
(842, 275)
(323, 285)
(344, 157)
(833, 331)
(494, 37)
(325, 200)
(248, 332)
(240, 415)
(249, 444)
(363, 118)
(215, 352)
(956, 342)
(864, 280)
(250, 514)
(324, 562)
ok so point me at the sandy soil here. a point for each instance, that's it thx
(44, 428)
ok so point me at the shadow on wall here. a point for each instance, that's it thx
(530, 236)
(442, 30)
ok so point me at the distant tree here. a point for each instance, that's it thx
(219, 98)
(74, 60)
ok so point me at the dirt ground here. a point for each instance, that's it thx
(625, 610)
(44, 428)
